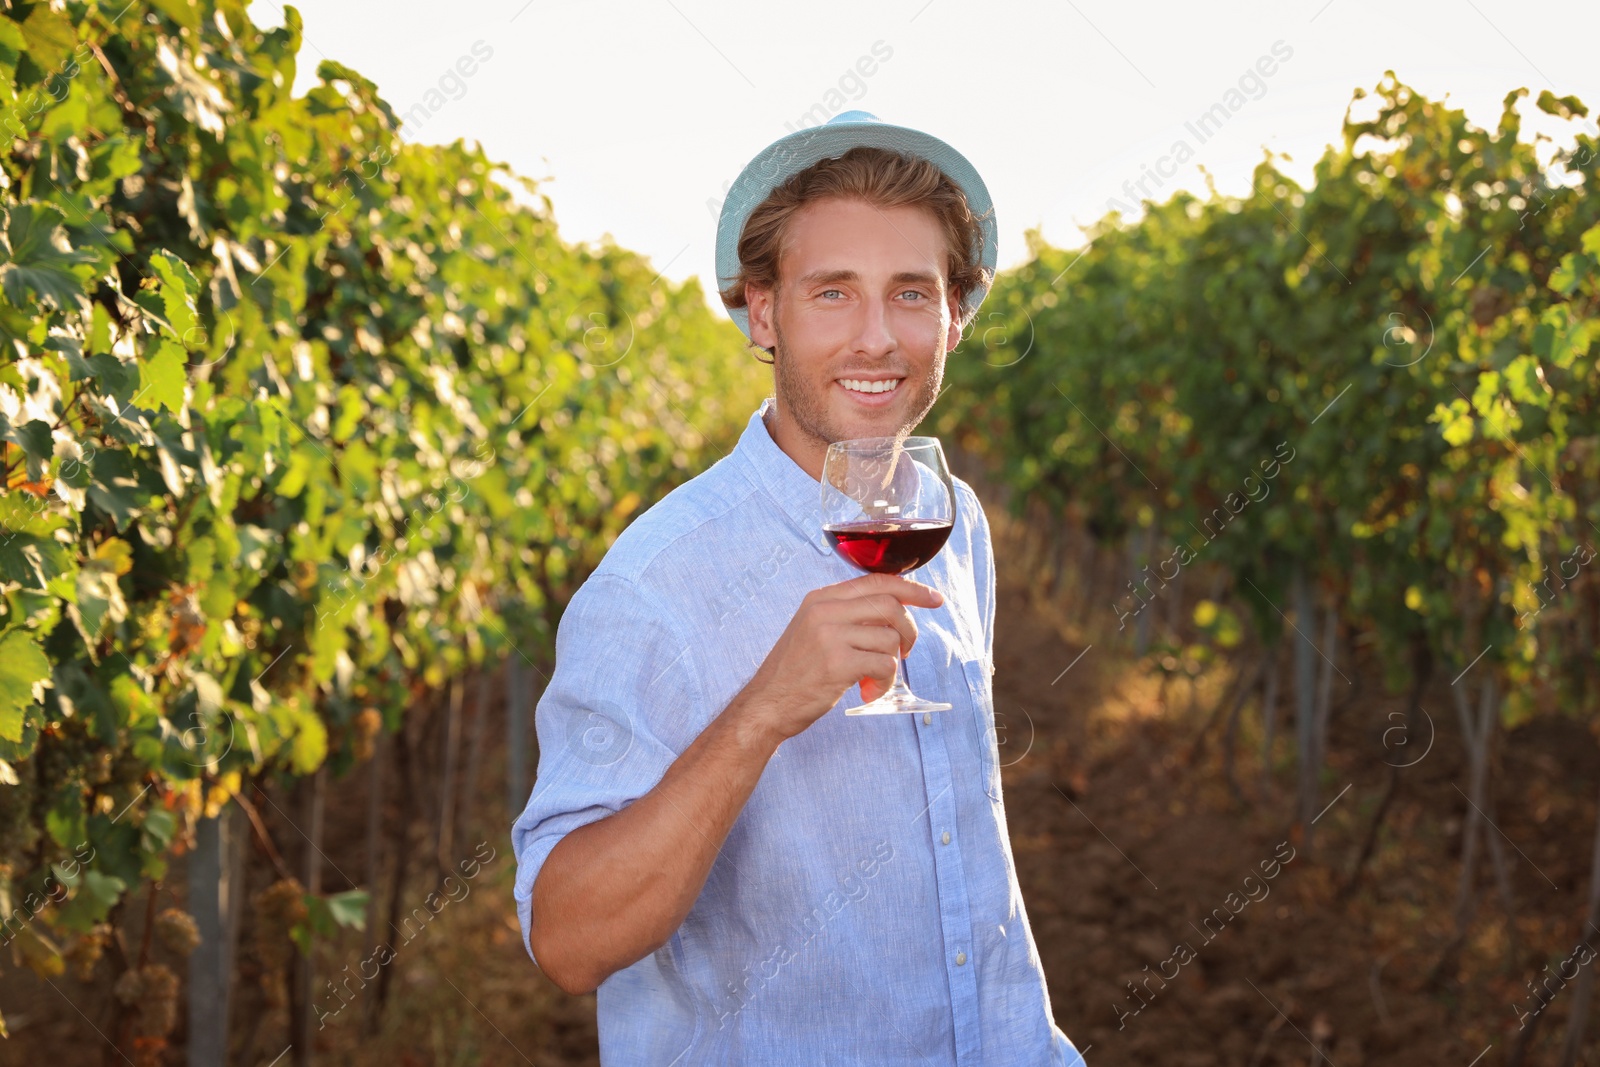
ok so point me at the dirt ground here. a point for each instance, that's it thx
(1127, 841)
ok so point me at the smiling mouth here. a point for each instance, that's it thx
(871, 386)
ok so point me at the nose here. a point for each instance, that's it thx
(874, 337)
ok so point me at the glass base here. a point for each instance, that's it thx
(896, 707)
(899, 700)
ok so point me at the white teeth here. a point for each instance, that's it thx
(869, 387)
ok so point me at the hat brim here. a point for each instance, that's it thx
(799, 150)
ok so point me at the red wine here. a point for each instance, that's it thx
(888, 547)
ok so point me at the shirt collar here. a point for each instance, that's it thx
(771, 470)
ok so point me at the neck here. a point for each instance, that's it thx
(807, 451)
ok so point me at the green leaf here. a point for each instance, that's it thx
(351, 409)
(1591, 240)
(185, 13)
(309, 746)
(37, 262)
(159, 824)
(349, 909)
(93, 900)
(324, 915)
(23, 672)
(66, 820)
(294, 477)
(163, 376)
(1562, 106)
(135, 707)
(33, 437)
(1456, 421)
(100, 597)
(15, 327)
(12, 45)
(64, 120)
(71, 349)
(1564, 279)
(39, 952)
(178, 287)
(33, 562)
(49, 36)
(1484, 397)
(1526, 382)
(115, 487)
(119, 378)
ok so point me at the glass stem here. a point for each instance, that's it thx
(900, 687)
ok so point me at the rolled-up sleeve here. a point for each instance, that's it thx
(621, 706)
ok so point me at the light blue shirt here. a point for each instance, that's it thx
(864, 908)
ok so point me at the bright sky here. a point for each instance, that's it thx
(637, 114)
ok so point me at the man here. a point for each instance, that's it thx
(744, 874)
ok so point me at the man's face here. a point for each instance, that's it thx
(861, 322)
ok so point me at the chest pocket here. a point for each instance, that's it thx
(980, 686)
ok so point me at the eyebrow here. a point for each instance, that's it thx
(905, 277)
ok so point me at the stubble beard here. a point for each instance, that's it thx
(809, 411)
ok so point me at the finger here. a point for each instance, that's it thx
(905, 590)
(878, 669)
(882, 611)
(883, 640)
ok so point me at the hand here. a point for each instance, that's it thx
(841, 634)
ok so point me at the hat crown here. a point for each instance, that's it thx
(853, 116)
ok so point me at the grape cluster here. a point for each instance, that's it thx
(367, 724)
(85, 952)
(176, 930)
(97, 768)
(18, 829)
(278, 908)
(151, 992)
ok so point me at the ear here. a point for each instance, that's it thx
(758, 302)
(953, 335)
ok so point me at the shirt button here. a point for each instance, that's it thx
(946, 837)
(927, 718)
(961, 957)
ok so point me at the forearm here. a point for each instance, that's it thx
(612, 892)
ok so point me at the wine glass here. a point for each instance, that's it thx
(887, 507)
